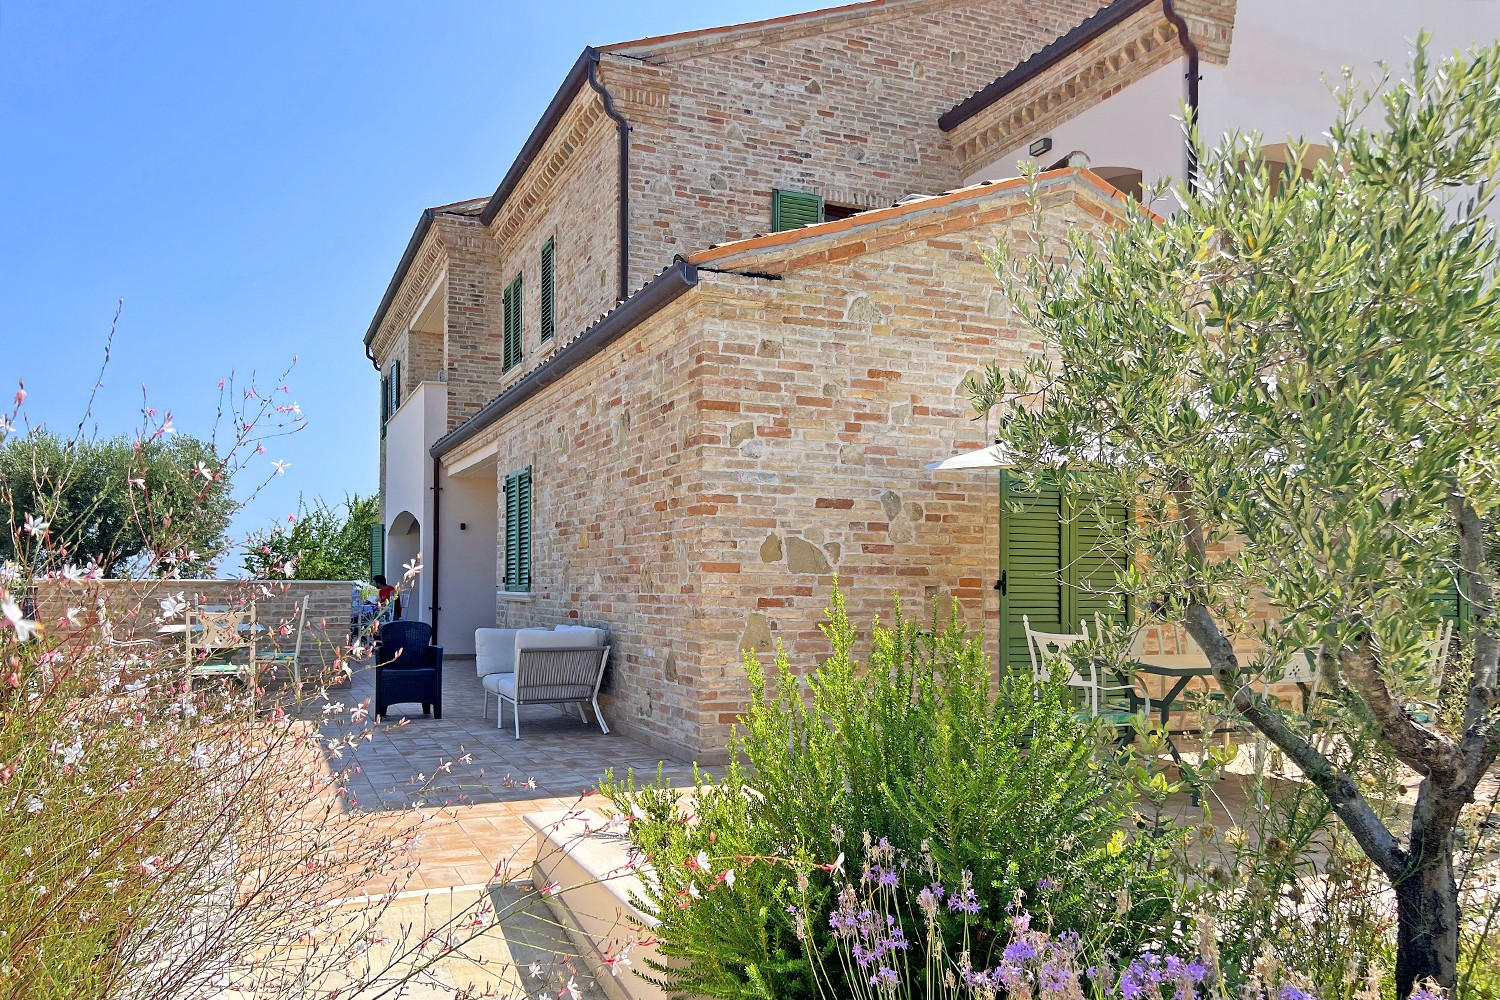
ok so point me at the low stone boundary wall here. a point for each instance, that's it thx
(591, 868)
(130, 607)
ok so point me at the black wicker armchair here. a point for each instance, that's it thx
(408, 668)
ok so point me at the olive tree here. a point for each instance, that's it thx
(1293, 382)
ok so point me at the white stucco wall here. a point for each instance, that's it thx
(1283, 56)
(470, 530)
(410, 431)
(1134, 128)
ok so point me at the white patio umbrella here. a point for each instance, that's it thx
(992, 457)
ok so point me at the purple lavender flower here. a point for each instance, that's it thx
(1422, 993)
(1057, 978)
(1294, 993)
(966, 902)
(1019, 951)
(1045, 884)
(885, 977)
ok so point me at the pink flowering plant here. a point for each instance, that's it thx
(173, 836)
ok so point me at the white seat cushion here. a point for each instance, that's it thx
(501, 684)
(596, 635)
(571, 638)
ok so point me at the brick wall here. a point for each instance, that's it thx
(1090, 75)
(474, 338)
(847, 108)
(130, 606)
(699, 482)
(611, 449)
(571, 196)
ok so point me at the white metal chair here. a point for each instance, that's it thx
(213, 637)
(1104, 688)
(1046, 648)
(1437, 647)
(292, 656)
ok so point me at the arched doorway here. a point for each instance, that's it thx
(403, 544)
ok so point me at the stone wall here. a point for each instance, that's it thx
(845, 106)
(828, 398)
(571, 196)
(698, 483)
(611, 453)
(131, 605)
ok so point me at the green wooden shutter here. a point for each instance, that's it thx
(548, 252)
(1095, 551)
(523, 539)
(512, 309)
(1031, 563)
(377, 550)
(512, 532)
(1455, 604)
(1058, 564)
(385, 402)
(790, 209)
(395, 386)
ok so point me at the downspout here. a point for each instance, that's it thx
(437, 537)
(623, 128)
(1191, 48)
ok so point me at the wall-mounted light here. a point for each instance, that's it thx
(1041, 146)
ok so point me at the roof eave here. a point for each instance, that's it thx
(412, 245)
(662, 290)
(571, 85)
(1043, 59)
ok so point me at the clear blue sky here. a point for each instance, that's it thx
(245, 177)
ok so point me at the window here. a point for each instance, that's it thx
(385, 402)
(548, 252)
(791, 209)
(833, 213)
(377, 550)
(512, 307)
(390, 395)
(518, 531)
(1058, 561)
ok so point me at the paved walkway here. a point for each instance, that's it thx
(473, 833)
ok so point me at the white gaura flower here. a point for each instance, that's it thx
(536, 970)
(412, 568)
(729, 878)
(72, 616)
(281, 467)
(24, 626)
(72, 573)
(33, 804)
(622, 959)
(173, 604)
(35, 526)
(573, 990)
(702, 860)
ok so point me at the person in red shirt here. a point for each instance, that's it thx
(387, 597)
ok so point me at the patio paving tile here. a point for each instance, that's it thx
(473, 811)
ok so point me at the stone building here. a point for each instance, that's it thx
(607, 398)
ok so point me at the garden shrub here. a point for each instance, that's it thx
(914, 748)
